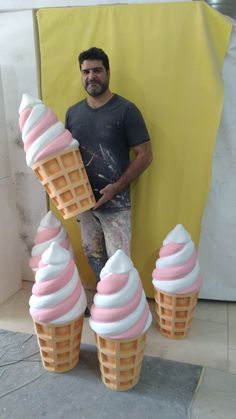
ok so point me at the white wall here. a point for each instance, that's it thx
(27, 4)
(218, 237)
(23, 196)
(10, 280)
(23, 201)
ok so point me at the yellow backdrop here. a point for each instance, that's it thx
(168, 59)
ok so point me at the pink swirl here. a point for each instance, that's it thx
(55, 284)
(47, 315)
(112, 283)
(194, 287)
(23, 117)
(120, 309)
(170, 249)
(46, 234)
(45, 122)
(135, 330)
(57, 144)
(65, 243)
(118, 313)
(34, 261)
(175, 272)
(43, 135)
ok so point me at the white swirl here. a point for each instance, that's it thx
(148, 323)
(120, 325)
(38, 249)
(175, 285)
(37, 117)
(36, 114)
(45, 301)
(120, 297)
(56, 259)
(45, 306)
(177, 235)
(28, 101)
(119, 263)
(49, 221)
(177, 258)
(76, 311)
(42, 141)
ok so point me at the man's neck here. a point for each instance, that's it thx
(97, 102)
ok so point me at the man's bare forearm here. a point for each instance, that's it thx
(142, 159)
(136, 167)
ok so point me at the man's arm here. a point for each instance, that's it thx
(142, 159)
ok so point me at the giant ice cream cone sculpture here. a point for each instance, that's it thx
(177, 281)
(49, 230)
(55, 158)
(120, 318)
(57, 308)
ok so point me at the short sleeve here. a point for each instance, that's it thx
(135, 128)
(67, 125)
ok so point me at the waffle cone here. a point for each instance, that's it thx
(59, 344)
(120, 361)
(65, 180)
(175, 313)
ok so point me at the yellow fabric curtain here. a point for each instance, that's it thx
(167, 58)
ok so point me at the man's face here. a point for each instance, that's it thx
(95, 77)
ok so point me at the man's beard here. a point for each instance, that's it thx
(95, 89)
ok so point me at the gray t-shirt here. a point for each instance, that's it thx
(106, 135)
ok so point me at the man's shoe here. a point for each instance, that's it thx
(87, 312)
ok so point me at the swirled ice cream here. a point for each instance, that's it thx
(177, 268)
(50, 230)
(120, 309)
(57, 295)
(42, 134)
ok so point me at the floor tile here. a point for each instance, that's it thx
(219, 380)
(206, 345)
(87, 334)
(212, 311)
(232, 325)
(14, 313)
(212, 404)
(216, 397)
(232, 361)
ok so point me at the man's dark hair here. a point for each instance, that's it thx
(94, 54)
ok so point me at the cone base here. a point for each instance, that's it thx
(175, 313)
(120, 361)
(59, 344)
(64, 178)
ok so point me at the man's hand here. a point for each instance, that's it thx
(107, 193)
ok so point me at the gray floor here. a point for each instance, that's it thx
(211, 343)
(165, 390)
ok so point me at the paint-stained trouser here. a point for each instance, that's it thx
(102, 233)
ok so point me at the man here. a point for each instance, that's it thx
(107, 126)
